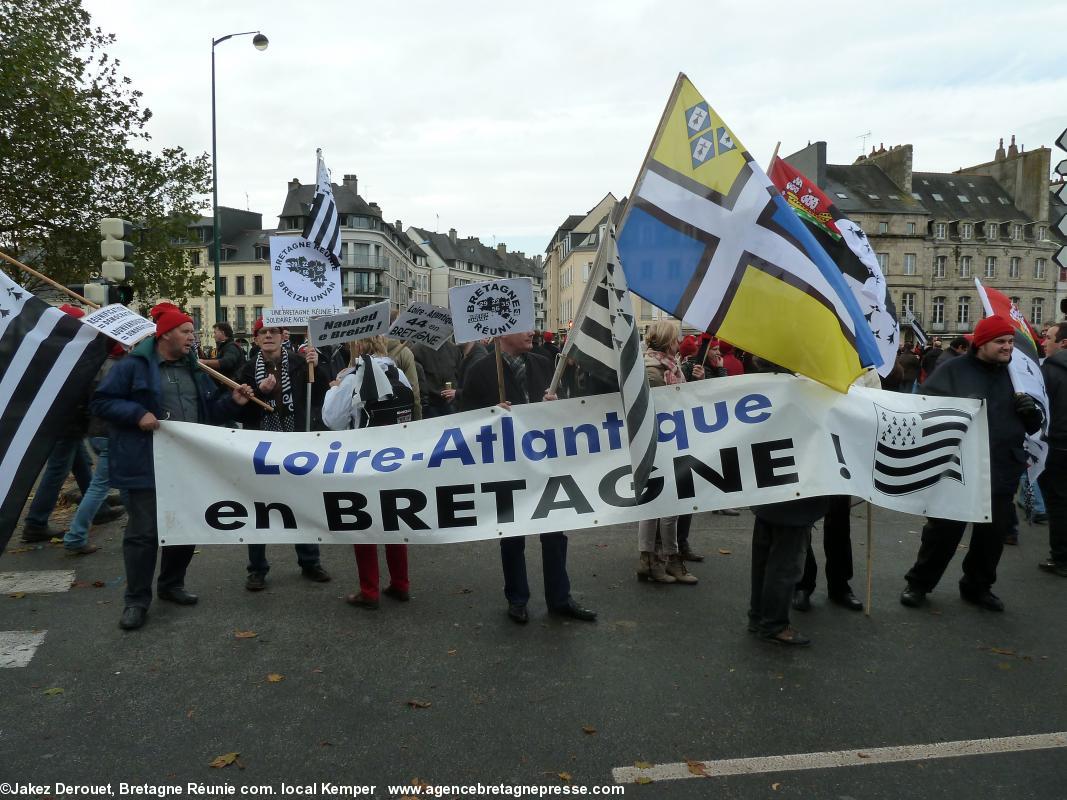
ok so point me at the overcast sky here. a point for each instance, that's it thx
(500, 119)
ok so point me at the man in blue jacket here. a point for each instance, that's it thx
(159, 380)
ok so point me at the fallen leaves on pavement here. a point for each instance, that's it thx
(419, 703)
(274, 677)
(588, 730)
(226, 760)
(55, 690)
(696, 768)
(245, 634)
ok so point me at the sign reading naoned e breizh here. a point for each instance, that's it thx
(424, 323)
(356, 323)
(303, 274)
(491, 308)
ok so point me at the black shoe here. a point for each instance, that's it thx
(32, 534)
(688, 555)
(178, 595)
(1040, 519)
(396, 594)
(256, 582)
(574, 611)
(115, 501)
(362, 601)
(846, 599)
(107, 514)
(790, 637)
(518, 614)
(316, 573)
(1054, 568)
(802, 600)
(986, 599)
(912, 597)
(1011, 539)
(133, 617)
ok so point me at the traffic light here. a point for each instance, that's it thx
(103, 294)
(116, 249)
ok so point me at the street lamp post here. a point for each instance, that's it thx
(259, 41)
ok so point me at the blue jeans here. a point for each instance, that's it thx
(68, 455)
(92, 499)
(307, 556)
(553, 563)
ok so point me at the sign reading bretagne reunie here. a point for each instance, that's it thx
(357, 323)
(491, 308)
(424, 323)
(303, 275)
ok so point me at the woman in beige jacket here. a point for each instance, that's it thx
(662, 369)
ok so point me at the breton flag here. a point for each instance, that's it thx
(47, 358)
(323, 226)
(915, 450)
(604, 341)
(1024, 368)
(917, 329)
(708, 238)
(846, 243)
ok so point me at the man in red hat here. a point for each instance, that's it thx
(982, 374)
(158, 380)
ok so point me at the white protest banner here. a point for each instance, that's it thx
(491, 308)
(120, 323)
(302, 274)
(357, 323)
(424, 323)
(565, 465)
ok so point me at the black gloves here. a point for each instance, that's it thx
(1029, 412)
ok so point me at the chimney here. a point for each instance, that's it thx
(452, 235)
(1012, 149)
(294, 184)
(351, 182)
(502, 250)
(399, 226)
(1000, 151)
(375, 206)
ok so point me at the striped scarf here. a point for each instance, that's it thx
(283, 417)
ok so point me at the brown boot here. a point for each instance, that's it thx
(676, 569)
(652, 568)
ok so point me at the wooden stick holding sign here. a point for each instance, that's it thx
(500, 372)
(218, 376)
(870, 557)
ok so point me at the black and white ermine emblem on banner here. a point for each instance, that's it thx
(915, 450)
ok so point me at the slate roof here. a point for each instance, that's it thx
(867, 189)
(298, 202)
(473, 251)
(951, 188)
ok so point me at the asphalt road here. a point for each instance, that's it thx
(445, 690)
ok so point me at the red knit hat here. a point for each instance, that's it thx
(991, 328)
(161, 308)
(549, 336)
(687, 347)
(74, 311)
(169, 319)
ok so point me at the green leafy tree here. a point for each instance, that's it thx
(74, 149)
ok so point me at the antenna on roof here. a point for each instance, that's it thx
(863, 144)
(248, 205)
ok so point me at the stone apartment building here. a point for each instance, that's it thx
(935, 232)
(452, 261)
(569, 259)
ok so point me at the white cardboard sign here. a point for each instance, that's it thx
(303, 274)
(120, 324)
(356, 323)
(424, 323)
(491, 308)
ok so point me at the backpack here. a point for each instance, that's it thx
(387, 410)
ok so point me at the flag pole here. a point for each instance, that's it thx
(867, 610)
(311, 385)
(49, 281)
(774, 155)
(500, 371)
(42, 277)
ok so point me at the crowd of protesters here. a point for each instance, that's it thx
(313, 390)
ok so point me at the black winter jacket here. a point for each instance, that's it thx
(1055, 371)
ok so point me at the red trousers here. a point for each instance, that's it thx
(396, 556)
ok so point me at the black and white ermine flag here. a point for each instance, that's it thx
(915, 450)
(323, 226)
(604, 341)
(47, 358)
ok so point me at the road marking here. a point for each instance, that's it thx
(841, 758)
(18, 647)
(49, 580)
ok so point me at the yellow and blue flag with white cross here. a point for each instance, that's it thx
(708, 238)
